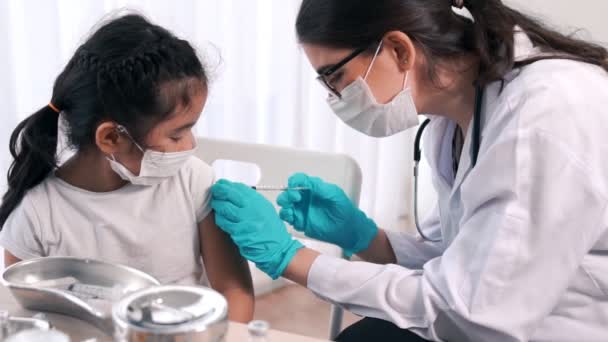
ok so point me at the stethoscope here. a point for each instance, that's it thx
(475, 144)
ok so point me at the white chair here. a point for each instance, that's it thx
(276, 164)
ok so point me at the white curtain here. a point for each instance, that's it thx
(263, 89)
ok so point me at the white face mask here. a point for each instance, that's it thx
(359, 109)
(155, 166)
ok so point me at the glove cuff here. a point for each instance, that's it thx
(367, 231)
(286, 255)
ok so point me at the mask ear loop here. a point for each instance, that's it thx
(123, 130)
(405, 79)
(369, 68)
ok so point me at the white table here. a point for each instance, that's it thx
(80, 331)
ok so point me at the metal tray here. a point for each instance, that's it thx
(22, 279)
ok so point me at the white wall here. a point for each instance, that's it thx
(589, 15)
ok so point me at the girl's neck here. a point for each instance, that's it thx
(90, 170)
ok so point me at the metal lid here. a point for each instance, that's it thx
(171, 309)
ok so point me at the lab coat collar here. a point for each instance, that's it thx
(523, 46)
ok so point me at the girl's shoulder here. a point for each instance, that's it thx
(197, 173)
(198, 176)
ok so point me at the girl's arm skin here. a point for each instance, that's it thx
(10, 259)
(227, 270)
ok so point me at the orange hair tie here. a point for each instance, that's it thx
(52, 106)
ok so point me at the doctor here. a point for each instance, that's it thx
(517, 249)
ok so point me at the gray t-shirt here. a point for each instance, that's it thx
(151, 228)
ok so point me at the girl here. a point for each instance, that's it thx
(133, 193)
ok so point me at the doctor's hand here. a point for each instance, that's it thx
(325, 213)
(254, 226)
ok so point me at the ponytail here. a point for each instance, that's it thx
(493, 35)
(33, 146)
(493, 32)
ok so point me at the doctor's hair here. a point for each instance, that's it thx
(439, 32)
(129, 71)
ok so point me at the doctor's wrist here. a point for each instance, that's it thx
(380, 251)
(366, 231)
(300, 265)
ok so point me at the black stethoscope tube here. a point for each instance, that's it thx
(475, 145)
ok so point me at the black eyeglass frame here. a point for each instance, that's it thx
(323, 76)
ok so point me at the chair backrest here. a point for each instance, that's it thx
(276, 164)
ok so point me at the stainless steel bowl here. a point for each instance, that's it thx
(171, 314)
(23, 280)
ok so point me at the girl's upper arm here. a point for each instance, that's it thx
(225, 266)
(10, 259)
(22, 236)
(227, 271)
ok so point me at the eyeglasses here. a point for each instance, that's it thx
(324, 76)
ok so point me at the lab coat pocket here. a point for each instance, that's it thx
(495, 259)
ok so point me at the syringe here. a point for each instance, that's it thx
(277, 188)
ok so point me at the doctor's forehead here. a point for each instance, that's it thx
(321, 57)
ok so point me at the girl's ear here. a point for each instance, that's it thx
(109, 140)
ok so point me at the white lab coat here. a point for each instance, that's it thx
(524, 254)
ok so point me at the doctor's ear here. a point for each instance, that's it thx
(401, 48)
(109, 140)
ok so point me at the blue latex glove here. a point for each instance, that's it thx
(254, 226)
(325, 213)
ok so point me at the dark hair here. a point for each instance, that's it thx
(129, 71)
(439, 32)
